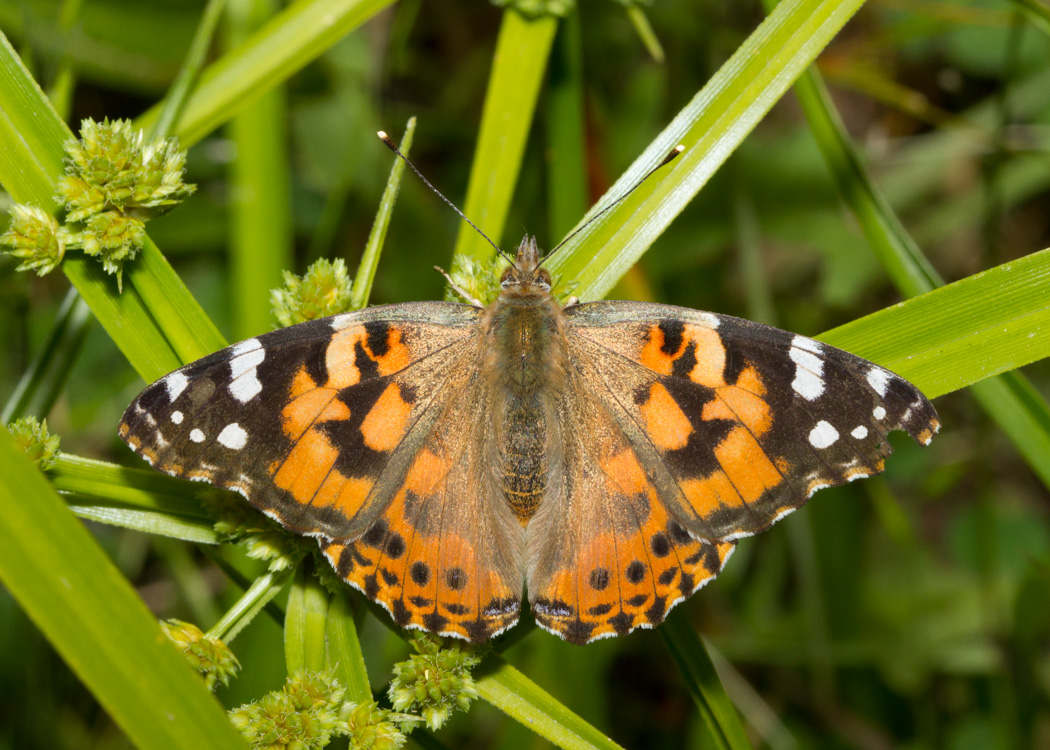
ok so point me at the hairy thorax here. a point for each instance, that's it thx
(526, 363)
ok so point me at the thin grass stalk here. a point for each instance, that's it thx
(43, 382)
(260, 209)
(284, 45)
(567, 191)
(304, 622)
(522, 49)
(366, 269)
(175, 100)
(698, 672)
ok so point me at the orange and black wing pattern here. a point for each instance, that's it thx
(355, 430)
(738, 423)
(605, 554)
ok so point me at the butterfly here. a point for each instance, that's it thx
(604, 456)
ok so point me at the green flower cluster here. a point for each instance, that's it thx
(115, 180)
(32, 437)
(35, 238)
(434, 682)
(322, 291)
(480, 279)
(207, 654)
(263, 539)
(113, 168)
(309, 711)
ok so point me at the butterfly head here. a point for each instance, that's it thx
(526, 274)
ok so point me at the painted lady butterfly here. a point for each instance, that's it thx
(606, 455)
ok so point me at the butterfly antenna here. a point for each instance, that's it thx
(390, 145)
(671, 156)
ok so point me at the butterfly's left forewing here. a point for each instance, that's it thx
(305, 421)
(740, 423)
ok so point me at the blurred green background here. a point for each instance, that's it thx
(910, 610)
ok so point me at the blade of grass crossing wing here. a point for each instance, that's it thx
(1010, 400)
(261, 221)
(523, 700)
(521, 56)
(701, 679)
(955, 336)
(710, 127)
(87, 610)
(366, 270)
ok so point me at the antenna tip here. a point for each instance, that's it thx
(672, 155)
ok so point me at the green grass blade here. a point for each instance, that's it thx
(31, 134)
(566, 150)
(184, 324)
(962, 333)
(290, 40)
(96, 621)
(898, 253)
(521, 56)
(175, 100)
(344, 649)
(366, 270)
(694, 664)
(713, 124)
(516, 695)
(1037, 13)
(144, 521)
(260, 210)
(304, 622)
(137, 489)
(257, 597)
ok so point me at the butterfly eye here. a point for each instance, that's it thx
(544, 278)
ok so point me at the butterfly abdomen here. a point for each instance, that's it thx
(527, 365)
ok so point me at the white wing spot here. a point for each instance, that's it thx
(809, 345)
(860, 432)
(176, 383)
(823, 435)
(878, 412)
(176, 417)
(879, 379)
(809, 368)
(196, 435)
(233, 436)
(244, 384)
(245, 388)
